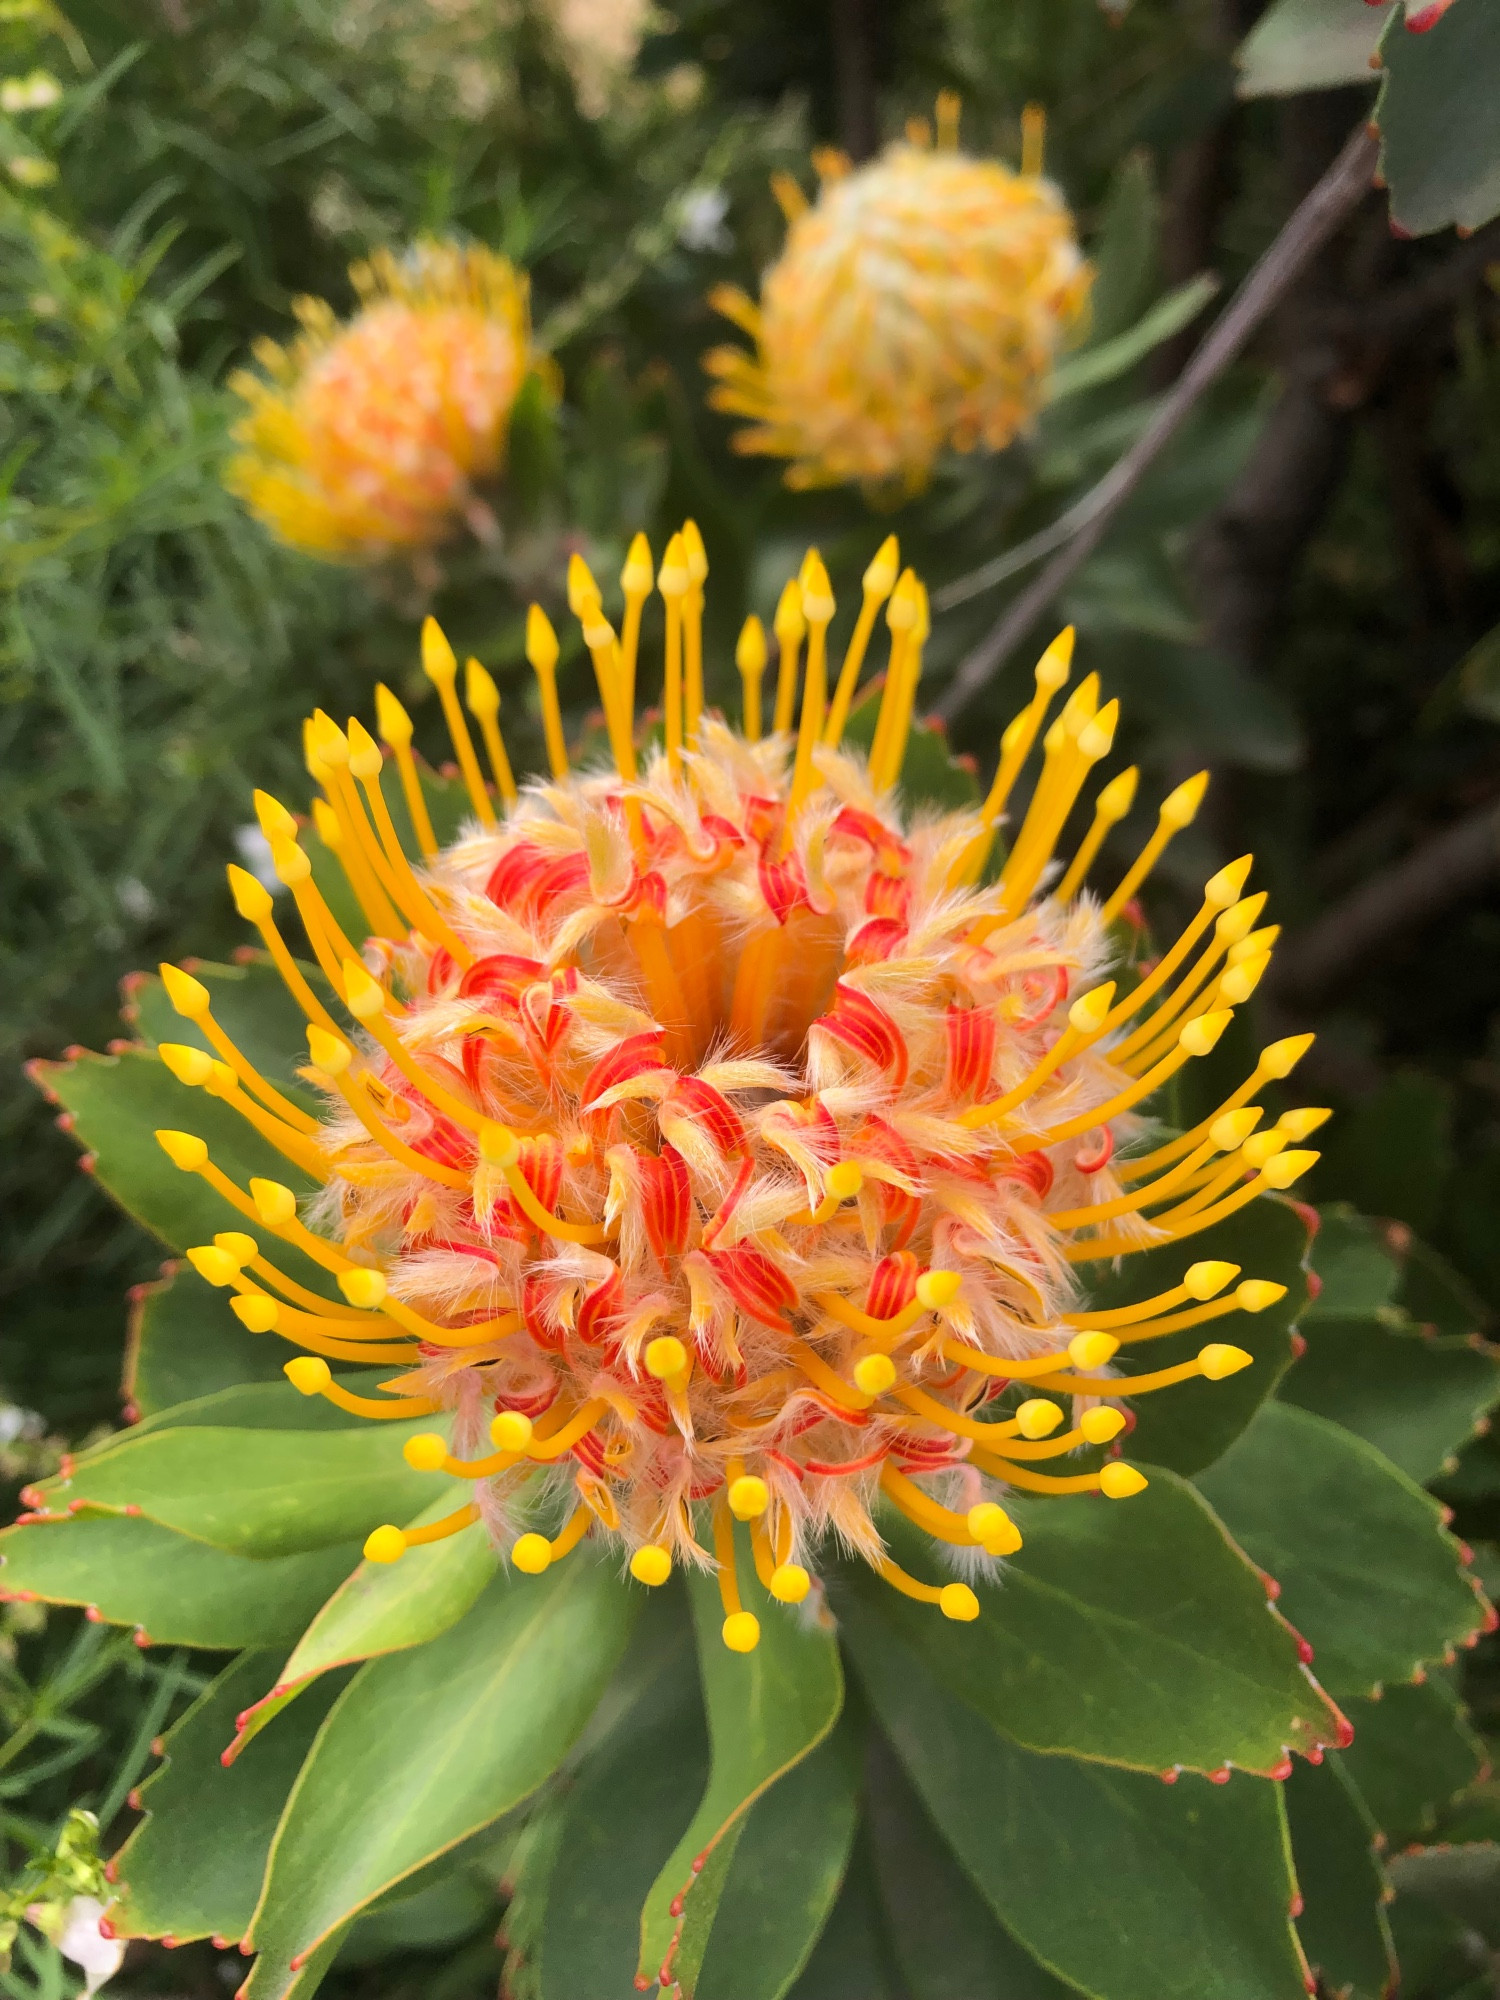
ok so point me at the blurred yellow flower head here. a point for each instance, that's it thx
(368, 437)
(917, 306)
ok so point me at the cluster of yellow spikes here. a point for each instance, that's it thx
(1179, 1009)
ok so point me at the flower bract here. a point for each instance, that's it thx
(367, 437)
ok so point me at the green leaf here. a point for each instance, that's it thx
(1412, 1752)
(1189, 1426)
(1124, 252)
(1342, 1923)
(1130, 1631)
(1440, 154)
(253, 1007)
(588, 1859)
(118, 1102)
(950, 1945)
(1367, 1572)
(1358, 1270)
(852, 1959)
(259, 1493)
(1124, 1886)
(184, 1342)
(250, 1406)
(1462, 1882)
(766, 1711)
(1299, 45)
(426, 1747)
(384, 1608)
(1394, 1154)
(179, 1592)
(193, 1867)
(1095, 365)
(785, 1876)
(1415, 1398)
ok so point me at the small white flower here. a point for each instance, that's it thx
(703, 226)
(74, 1929)
(37, 92)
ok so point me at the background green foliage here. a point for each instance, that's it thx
(1304, 594)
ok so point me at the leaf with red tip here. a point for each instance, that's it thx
(425, 1748)
(1325, 1513)
(767, 1710)
(1440, 151)
(1342, 1922)
(193, 1868)
(382, 1608)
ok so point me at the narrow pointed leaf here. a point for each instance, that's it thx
(766, 1711)
(1342, 1924)
(193, 1867)
(178, 1592)
(586, 1862)
(261, 1493)
(384, 1608)
(788, 1865)
(1132, 1631)
(1113, 1881)
(426, 1747)
(1323, 1513)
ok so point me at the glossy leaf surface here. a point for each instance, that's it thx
(1324, 1513)
(385, 1608)
(262, 1493)
(1412, 1751)
(426, 1747)
(179, 1592)
(1131, 1631)
(184, 1343)
(1113, 1881)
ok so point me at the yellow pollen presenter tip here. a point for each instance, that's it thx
(189, 996)
(510, 1431)
(427, 1452)
(275, 1203)
(235, 1243)
(1092, 1350)
(1219, 1359)
(748, 1498)
(308, 1373)
(532, 1554)
(366, 1289)
(498, 1145)
(1257, 1293)
(874, 1374)
(385, 1545)
(993, 1529)
(741, 1632)
(1038, 1418)
(213, 1265)
(190, 1066)
(666, 1357)
(845, 1180)
(958, 1602)
(790, 1583)
(936, 1289)
(1120, 1482)
(255, 1312)
(183, 1150)
(1100, 1426)
(1208, 1279)
(651, 1565)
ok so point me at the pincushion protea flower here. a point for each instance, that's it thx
(369, 437)
(917, 306)
(717, 1142)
